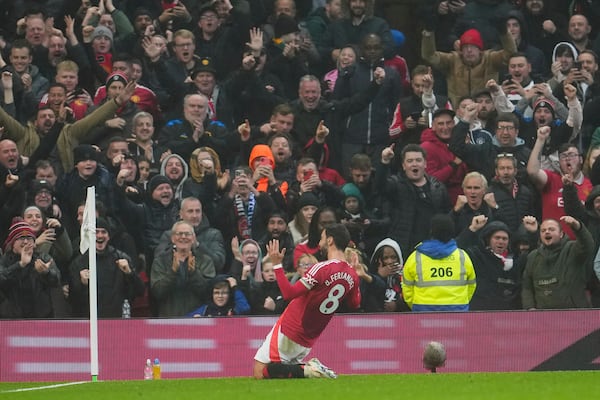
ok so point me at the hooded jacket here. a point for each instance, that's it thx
(262, 184)
(177, 190)
(535, 56)
(438, 277)
(554, 82)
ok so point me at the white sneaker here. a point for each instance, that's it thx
(318, 370)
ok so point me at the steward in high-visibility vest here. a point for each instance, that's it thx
(438, 276)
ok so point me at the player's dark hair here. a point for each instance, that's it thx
(340, 235)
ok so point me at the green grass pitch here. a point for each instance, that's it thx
(489, 386)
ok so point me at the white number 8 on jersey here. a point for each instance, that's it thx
(332, 302)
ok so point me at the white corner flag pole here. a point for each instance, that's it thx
(88, 242)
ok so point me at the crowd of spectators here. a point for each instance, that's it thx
(211, 127)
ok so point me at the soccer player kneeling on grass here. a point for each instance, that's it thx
(313, 300)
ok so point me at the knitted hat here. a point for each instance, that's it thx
(101, 30)
(205, 64)
(284, 25)
(18, 229)
(103, 224)
(492, 227)
(308, 199)
(85, 152)
(156, 181)
(278, 214)
(472, 36)
(544, 102)
(116, 77)
(351, 190)
(258, 267)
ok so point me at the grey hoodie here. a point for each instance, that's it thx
(186, 169)
(391, 243)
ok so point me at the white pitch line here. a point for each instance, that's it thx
(43, 387)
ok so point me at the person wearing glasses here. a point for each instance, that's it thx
(481, 157)
(226, 300)
(209, 240)
(550, 183)
(26, 276)
(180, 278)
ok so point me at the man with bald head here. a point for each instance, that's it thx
(209, 240)
(194, 129)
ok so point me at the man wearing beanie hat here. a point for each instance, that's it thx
(116, 77)
(150, 219)
(307, 205)
(285, 25)
(102, 31)
(71, 189)
(277, 229)
(143, 97)
(26, 276)
(498, 268)
(117, 280)
(41, 194)
(470, 67)
(101, 40)
(564, 123)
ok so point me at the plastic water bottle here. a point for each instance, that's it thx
(148, 370)
(126, 310)
(156, 369)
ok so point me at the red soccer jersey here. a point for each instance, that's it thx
(553, 205)
(143, 97)
(330, 283)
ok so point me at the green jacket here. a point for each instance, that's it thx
(181, 292)
(28, 139)
(462, 79)
(555, 277)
